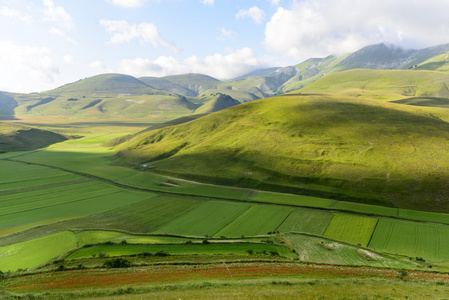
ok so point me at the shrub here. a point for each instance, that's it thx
(117, 263)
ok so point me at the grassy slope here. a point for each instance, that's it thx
(356, 147)
(14, 137)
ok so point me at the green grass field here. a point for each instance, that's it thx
(212, 248)
(258, 220)
(33, 253)
(320, 250)
(90, 237)
(307, 220)
(353, 229)
(205, 220)
(413, 239)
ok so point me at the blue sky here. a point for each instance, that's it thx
(48, 43)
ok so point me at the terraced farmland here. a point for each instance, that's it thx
(258, 220)
(351, 228)
(429, 241)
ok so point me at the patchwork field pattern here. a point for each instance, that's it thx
(205, 220)
(307, 220)
(351, 228)
(50, 203)
(414, 239)
(258, 220)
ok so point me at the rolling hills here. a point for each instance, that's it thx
(334, 144)
(169, 97)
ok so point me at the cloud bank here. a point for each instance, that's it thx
(312, 28)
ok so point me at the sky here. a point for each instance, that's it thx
(48, 43)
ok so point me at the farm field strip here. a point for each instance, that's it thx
(423, 216)
(414, 239)
(35, 252)
(258, 220)
(78, 280)
(290, 199)
(321, 250)
(180, 249)
(353, 229)
(206, 220)
(78, 207)
(307, 220)
(89, 237)
(37, 182)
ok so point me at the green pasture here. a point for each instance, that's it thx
(289, 199)
(33, 253)
(258, 220)
(206, 220)
(321, 250)
(211, 248)
(423, 216)
(414, 239)
(307, 220)
(90, 237)
(351, 228)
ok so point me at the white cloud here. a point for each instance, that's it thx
(227, 34)
(57, 14)
(254, 13)
(63, 34)
(314, 28)
(274, 2)
(210, 2)
(128, 3)
(146, 33)
(97, 65)
(15, 14)
(221, 66)
(34, 61)
(70, 59)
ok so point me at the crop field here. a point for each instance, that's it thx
(423, 216)
(89, 237)
(366, 208)
(307, 220)
(29, 175)
(35, 252)
(289, 199)
(351, 228)
(172, 185)
(63, 202)
(414, 239)
(258, 220)
(320, 250)
(199, 248)
(205, 220)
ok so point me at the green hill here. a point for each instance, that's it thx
(345, 148)
(105, 85)
(14, 137)
(168, 86)
(197, 83)
(217, 102)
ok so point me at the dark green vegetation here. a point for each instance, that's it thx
(15, 137)
(337, 174)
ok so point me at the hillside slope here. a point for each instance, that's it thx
(14, 137)
(346, 148)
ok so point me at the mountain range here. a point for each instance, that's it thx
(164, 98)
